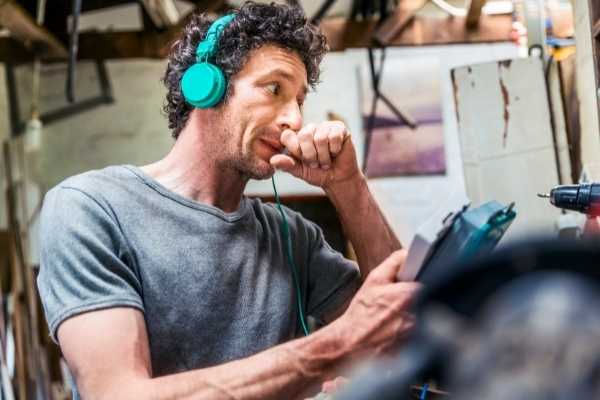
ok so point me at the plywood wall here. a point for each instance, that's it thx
(506, 138)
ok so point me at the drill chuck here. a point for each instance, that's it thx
(584, 198)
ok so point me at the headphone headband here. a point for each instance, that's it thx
(208, 47)
(203, 85)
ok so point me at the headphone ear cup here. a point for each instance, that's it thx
(203, 85)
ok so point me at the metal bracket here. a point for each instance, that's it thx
(17, 127)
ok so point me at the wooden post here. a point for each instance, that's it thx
(19, 309)
(474, 13)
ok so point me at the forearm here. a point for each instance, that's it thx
(283, 371)
(364, 224)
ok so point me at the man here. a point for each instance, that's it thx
(166, 282)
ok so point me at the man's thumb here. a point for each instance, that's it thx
(388, 269)
(287, 164)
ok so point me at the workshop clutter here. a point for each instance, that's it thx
(30, 366)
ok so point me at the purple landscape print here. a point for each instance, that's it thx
(413, 86)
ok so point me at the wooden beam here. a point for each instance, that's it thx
(13, 51)
(126, 44)
(340, 32)
(474, 13)
(422, 31)
(23, 27)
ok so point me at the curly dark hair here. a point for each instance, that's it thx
(254, 25)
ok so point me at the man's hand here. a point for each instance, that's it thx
(378, 317)
(320, 154)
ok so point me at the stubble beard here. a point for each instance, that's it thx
(249, 165)
(241, 157)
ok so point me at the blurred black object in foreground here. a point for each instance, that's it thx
(521, 323)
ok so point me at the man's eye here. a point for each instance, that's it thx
(273, 88)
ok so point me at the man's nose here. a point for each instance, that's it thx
(291, 117)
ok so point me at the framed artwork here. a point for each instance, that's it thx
(402, 117)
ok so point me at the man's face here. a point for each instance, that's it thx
(267, 99)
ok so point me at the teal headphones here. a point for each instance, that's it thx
(203, 84)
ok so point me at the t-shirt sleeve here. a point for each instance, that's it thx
(85, 264)
(332, 279)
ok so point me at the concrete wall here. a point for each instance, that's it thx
(131, 130)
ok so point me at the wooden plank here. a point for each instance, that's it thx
(4, 243)
(422, 31)
(126, 44)
(23, 27)
(93, 46)
(340, 32)
(474, 13)
(570, 103)
(19, 313)
(5, 248)
(113, 45)
(13, 51)
(504, 129)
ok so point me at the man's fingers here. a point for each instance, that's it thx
(388, 269)
(290, 141)
(337, 135)
(334, 385)
(322, 145)
(403, 292)
(316, 145)
(307, 145)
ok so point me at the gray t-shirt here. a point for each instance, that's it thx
(213, 286)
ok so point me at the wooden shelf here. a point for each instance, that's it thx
(421, 31)
(341, 34)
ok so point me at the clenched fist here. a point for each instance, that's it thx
(320, 154)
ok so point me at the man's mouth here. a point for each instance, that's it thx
(275, 145)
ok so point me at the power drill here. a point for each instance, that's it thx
(584, 198)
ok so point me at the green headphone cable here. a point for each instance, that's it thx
(285, 231)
